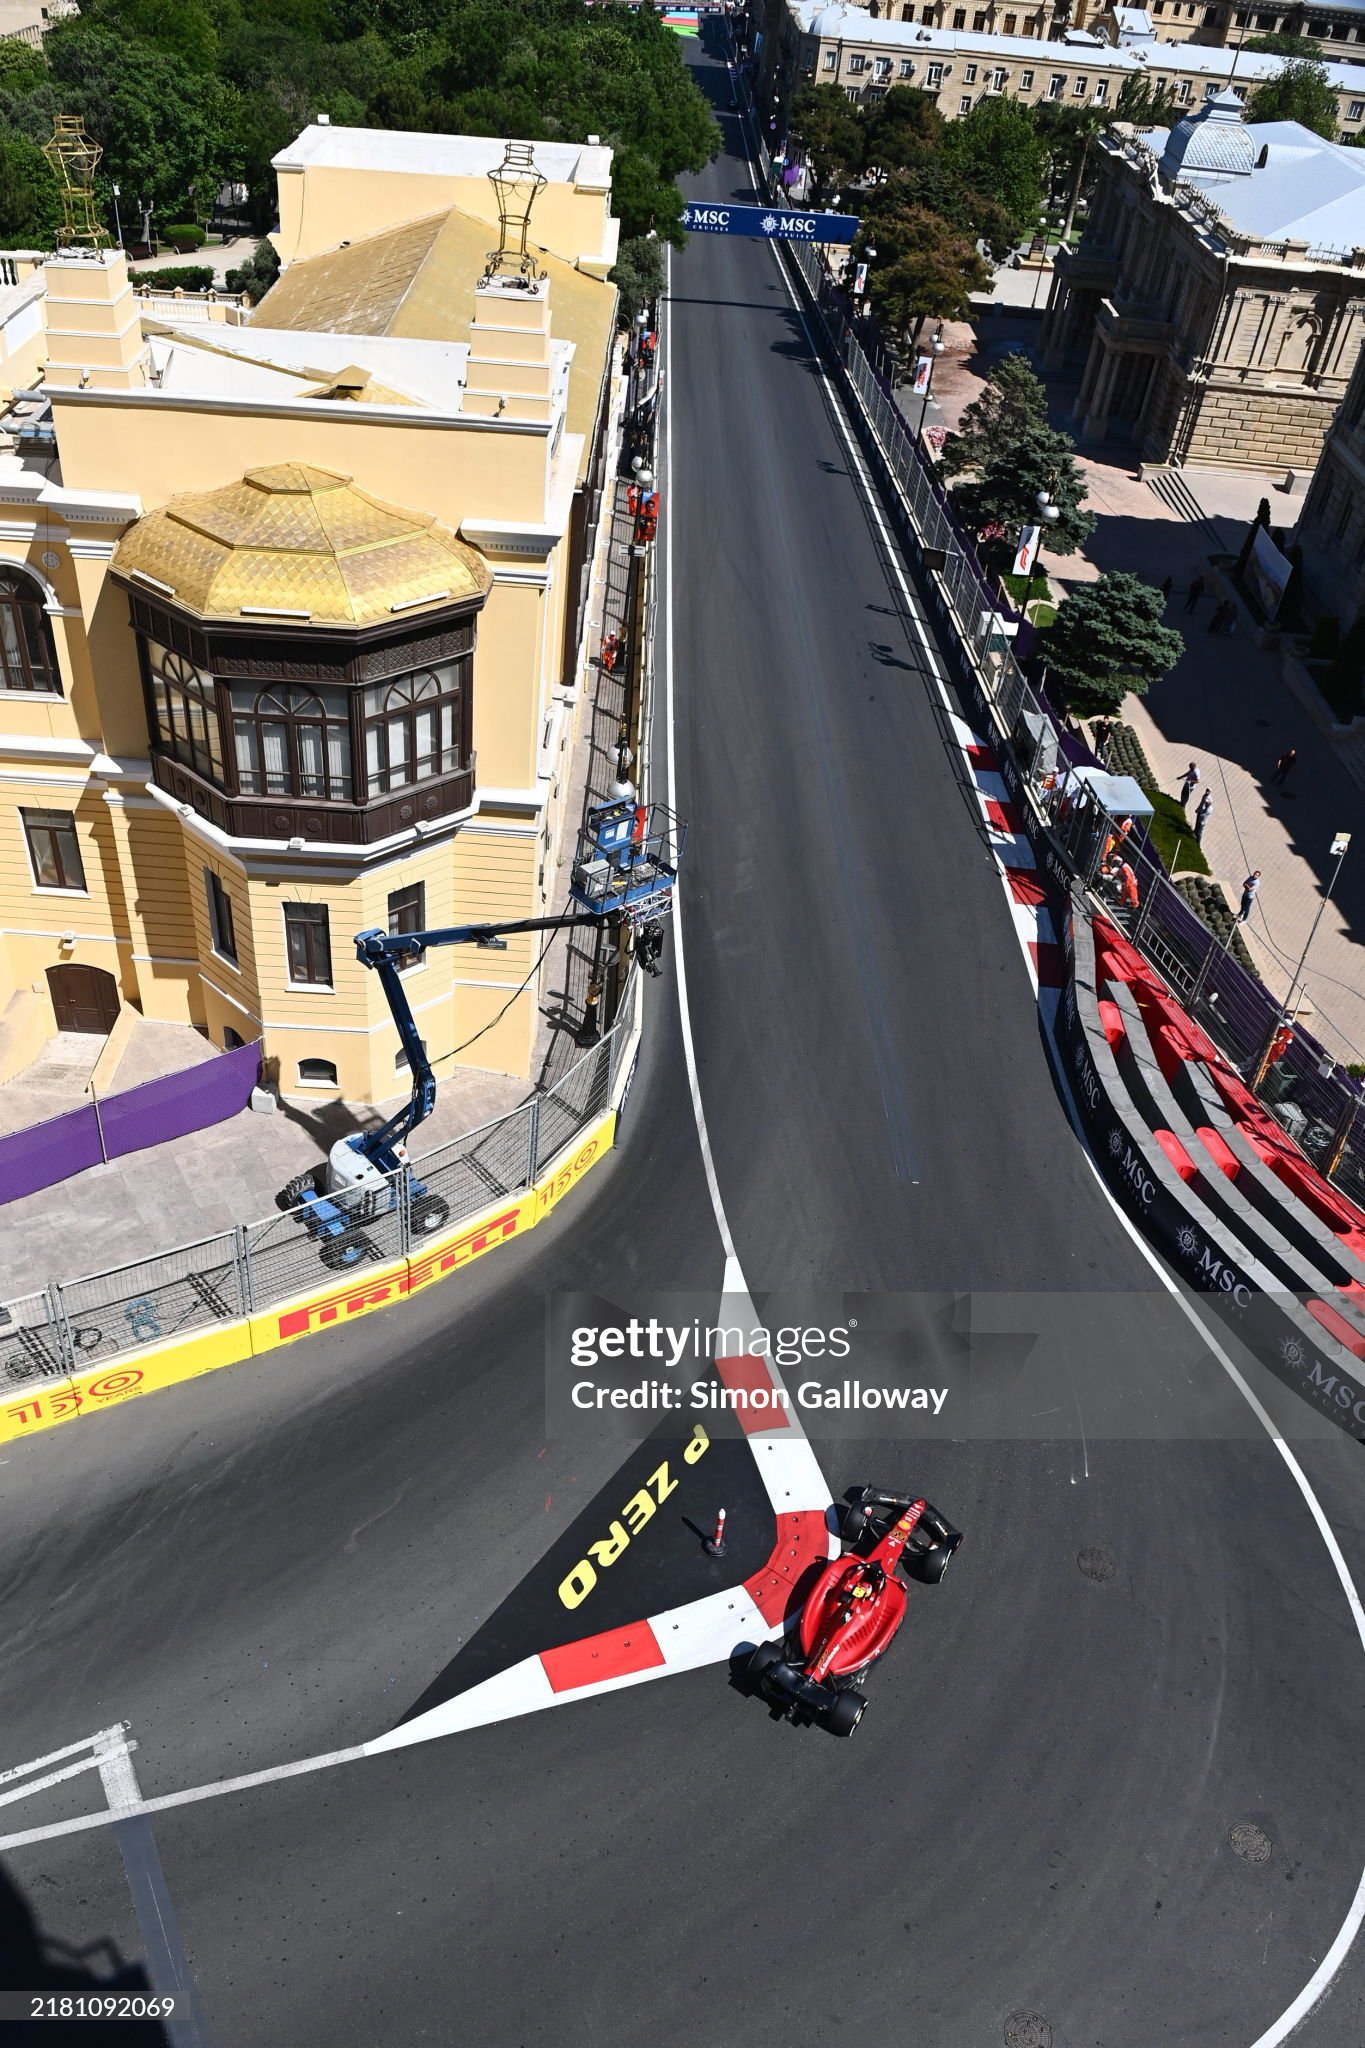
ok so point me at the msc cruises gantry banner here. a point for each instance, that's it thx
(769, 223)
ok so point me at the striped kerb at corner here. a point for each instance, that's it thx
(1003, 816)
(752, 1376)
(616, 1654)
(802, 1541)
(1047, 962)
(1025, 886)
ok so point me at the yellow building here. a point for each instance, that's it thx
(293, 613)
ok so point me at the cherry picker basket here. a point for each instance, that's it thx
(627, 861)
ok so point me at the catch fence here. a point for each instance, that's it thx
(72, 1325)
(1316, 1100)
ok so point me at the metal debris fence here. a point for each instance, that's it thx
(71, 1325)
(1317, 1101)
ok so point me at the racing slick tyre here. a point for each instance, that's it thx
(852, 1521)
(429, 1215)
(346, 1250)
(762, 1660)
(935, 1563)
(848, 1710)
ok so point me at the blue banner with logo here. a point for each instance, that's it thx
(769, 223)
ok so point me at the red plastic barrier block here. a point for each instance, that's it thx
(1111, 1017)
(1346, 1334)
(1220, 1152)
(1176, 1153)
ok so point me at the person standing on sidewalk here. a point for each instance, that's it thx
(1187, 787)
(1102, 732)
(1201, 816)
(1194, 593)
(1249, 888)
(1284, 766)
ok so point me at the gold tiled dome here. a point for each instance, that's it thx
(298, 541)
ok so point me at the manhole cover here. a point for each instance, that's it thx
(1249, 1842)
(1027, 2030)
(1097, 1564)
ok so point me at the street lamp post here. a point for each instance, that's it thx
(924, 378)
(1049, 512)
(118, 226)
(1340, 844)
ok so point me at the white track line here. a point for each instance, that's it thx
(1319, 1983)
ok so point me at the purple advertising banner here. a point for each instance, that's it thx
(169, 1108)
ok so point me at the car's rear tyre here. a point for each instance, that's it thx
(928, 1566)
(761, 1660)
(848, 1710)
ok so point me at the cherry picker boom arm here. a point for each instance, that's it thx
(386, 952)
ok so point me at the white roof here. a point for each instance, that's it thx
(278, 365)
(1308, 190)
(855, 25)
(438, 156)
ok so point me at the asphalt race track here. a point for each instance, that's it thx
(1034, 1821)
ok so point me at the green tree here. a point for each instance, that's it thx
(638, 276)
(828, 124)
(924, 268)
(1003, 497)
(257, 274)
(30, 209)
(165, 132)
(1011, 403)
(901, 129)
(997, 151)
(21, 67)
(1300, 91)
(1107, 639)
(185, 29)
(1282, 44)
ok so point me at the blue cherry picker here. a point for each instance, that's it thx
(628, 855)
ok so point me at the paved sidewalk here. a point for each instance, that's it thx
(190, 1188)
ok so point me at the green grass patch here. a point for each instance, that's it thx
(1173, 836)
(1026, 589)
(1042, 614)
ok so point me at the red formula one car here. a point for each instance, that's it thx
(853, 1610)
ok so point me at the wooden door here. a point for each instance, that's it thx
(83, 998)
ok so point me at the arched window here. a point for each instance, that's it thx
(292, 742)
(318, 1071)
(413, 727)
(186, 710)
(26, 649)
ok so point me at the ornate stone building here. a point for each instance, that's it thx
(1331, 529)
(960, 55)
(1216, 306)
(293, 612)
